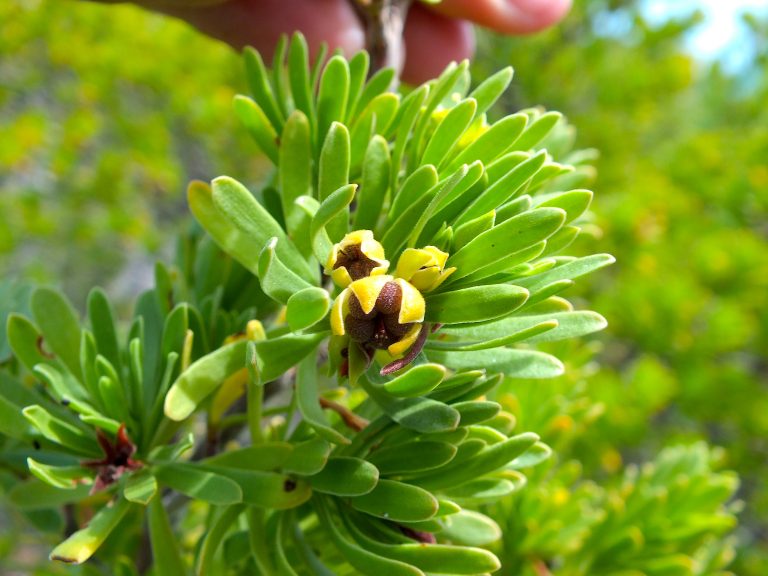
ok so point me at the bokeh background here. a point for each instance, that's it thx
(107, 111)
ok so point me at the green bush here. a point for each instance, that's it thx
(680, 362)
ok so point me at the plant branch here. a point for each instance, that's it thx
(384, 22)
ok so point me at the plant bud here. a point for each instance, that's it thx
(424, 268)
(379, 313)
(357, 256)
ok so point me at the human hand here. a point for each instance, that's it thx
(434, 34)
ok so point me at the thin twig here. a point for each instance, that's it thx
(351, 419)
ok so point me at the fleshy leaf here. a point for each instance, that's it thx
(398, 502)
(59, 325)
(277, 280)
(140, 487)
(83, 544)
(243, 212)
(475, 304)
(195, 482)
(202, 378)
(345, 476)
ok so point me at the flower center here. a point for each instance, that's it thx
(379, 328)
(355, 261)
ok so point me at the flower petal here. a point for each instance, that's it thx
(412, 305)
(338, 311)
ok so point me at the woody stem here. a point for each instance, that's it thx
(384, 22)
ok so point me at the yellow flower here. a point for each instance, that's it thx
(423, 267)
(357, 256)
(379, 313)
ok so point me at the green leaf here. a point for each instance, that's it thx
(431, 221)
(416, 381)
(488, 460)
(202, 378)
(420, 414)
(574, 202)
(61, 432)
(492, 143)
(448, 133)
(475, 304)
(332, 96)
(308, 457)
(175, 330)
(277, 280)
(141, 487)
(102, 319)
(486, 342)
(276, 355)
(59, 325)
(61, 477)
(262, 457)
(397, 232)
(365, 562)
(279, 76)
(358, 71)
(258, 125)
(362, 132)
(97, 421)
(36, 495)
(383, 108)
(332, 206)
(333, 173)
(568, 270)
(379, 83)
(268, 489)
(535, 455)
(14, 299)
(503, 189)
(307, 307)
(433, 558)
(468, 231)
(166, 552)
(114, 399)
(345, 476)
(25, 340)
(259, 83)
(295, 168)
(413, 456)
(408, 112)
(12, 423)
(568, 325)
(307, 395)
(510, 236)
(471, 529)
(374, 184)
(83, 544)
(511, 362)
(281, 533)
(439, 91)
(418, 183)
(475, 411)
(172, 451)
(195, 482)
(538, 130)
(298, 75)
(242, 210)
(490, 89)
(397, 501)
(513, 208)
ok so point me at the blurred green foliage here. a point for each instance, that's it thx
(683, 203)
(99, 140)
(100, 135)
